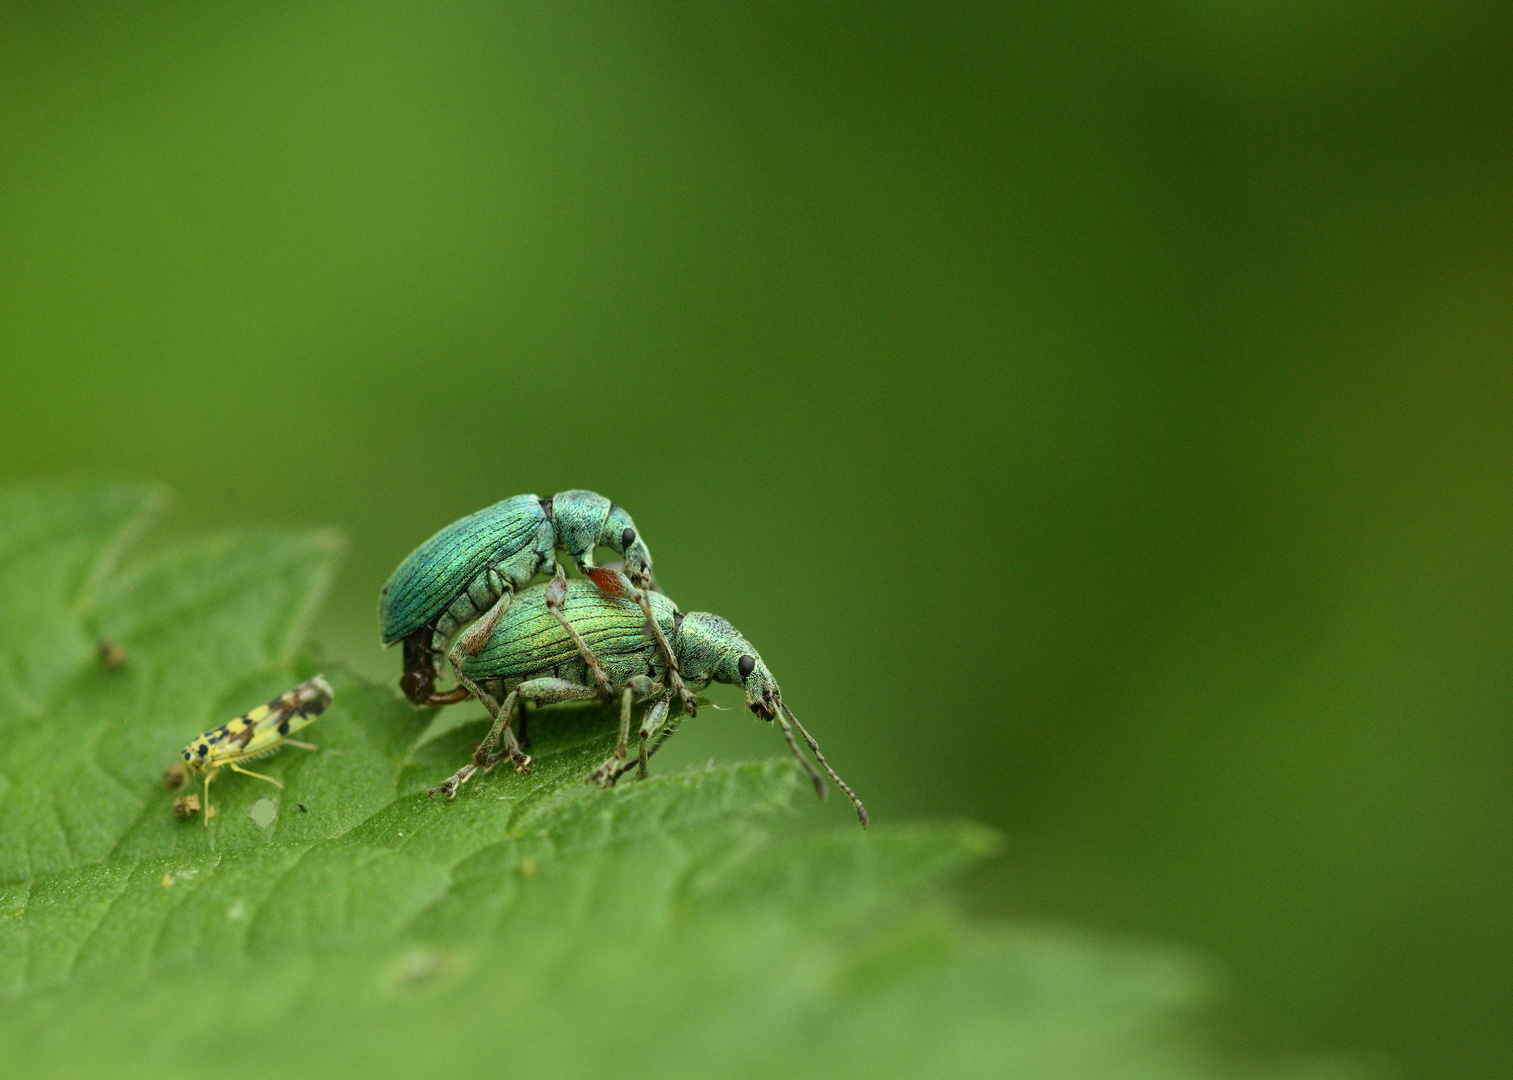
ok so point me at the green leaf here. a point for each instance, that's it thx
(347, 924)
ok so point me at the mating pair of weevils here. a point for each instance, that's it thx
(463, 594)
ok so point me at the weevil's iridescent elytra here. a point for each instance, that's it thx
(529, 657)
(472, 569)
(257, 734)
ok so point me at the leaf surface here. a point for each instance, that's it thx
(348, 924)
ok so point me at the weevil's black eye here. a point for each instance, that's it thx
(745, 664)
(627, 538)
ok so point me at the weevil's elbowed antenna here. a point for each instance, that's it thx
(819, 785)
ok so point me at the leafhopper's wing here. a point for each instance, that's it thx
(262, 729)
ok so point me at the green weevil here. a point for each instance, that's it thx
(472, 569)
(528, 658)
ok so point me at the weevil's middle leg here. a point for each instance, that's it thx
(536, 691)
(501, 716)
(556, 592)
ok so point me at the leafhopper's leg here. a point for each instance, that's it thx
(556, 593)
(301, 745)
(248, 772)
(208, 812)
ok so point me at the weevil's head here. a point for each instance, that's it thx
(585, 520)
(709, 649)
(618, 533)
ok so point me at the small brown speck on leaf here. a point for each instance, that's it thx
(186, 806)
(174, 777)
(112, 655)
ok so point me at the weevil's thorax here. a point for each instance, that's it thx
(577, 520)
(709, 650)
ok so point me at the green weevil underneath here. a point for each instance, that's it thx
(472, 570)
(529, 658)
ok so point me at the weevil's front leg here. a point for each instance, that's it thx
(668, 730)
(614, 583)
(606, 774)
(655, 717)
(674, 673)
(556, 592)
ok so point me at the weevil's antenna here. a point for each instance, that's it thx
(861, 811)
(819, 785)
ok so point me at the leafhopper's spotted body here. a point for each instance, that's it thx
(257, 734)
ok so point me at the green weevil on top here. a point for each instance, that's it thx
(472, 569)
(528, 658)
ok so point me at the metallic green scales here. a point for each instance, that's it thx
(528, 641)
(530, 657)
(509, 534)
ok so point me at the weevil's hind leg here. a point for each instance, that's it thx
(556, 593)
(469, 644)
(473, 638)
(814, 747)
(248, 772)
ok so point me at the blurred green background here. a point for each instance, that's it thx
(1098, 415)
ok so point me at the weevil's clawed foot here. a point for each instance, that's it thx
(606, 775)
(457, 779)
(522, 761)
